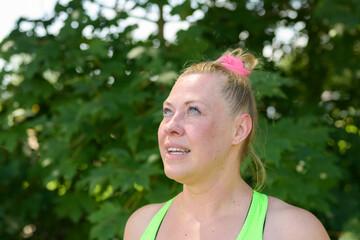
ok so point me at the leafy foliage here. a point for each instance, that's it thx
(79, 111)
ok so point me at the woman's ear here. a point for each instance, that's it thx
(243, 126)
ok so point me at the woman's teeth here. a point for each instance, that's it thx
(177, 150)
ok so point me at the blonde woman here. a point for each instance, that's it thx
(209, 122)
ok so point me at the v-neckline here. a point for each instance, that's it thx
(248, 219)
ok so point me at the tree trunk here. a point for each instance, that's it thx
(161, 24)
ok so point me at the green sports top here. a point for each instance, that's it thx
(252, 229)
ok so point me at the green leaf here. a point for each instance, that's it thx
(184, 10)
(74, 206)
(268, 84)
(109, 221)
(9, 139)
(97, 176)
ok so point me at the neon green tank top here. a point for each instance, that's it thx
(252, 229)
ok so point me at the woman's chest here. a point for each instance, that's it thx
(227, 228)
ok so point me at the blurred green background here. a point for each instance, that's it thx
(81, 95)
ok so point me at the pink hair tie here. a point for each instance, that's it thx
(234, 64)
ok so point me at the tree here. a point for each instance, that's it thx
(79, 111)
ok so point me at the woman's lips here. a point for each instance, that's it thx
(176, 151)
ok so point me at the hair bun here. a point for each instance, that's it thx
(248, 59)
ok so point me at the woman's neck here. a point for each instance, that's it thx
(216, 198)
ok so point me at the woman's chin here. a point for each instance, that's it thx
(176, 175)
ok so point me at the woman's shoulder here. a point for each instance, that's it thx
(284, 221)
(139, 220)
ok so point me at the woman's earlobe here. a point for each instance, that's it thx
(243, 126)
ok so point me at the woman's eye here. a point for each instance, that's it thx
(167, 111)
(193, 110)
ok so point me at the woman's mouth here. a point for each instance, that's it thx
(177, 151)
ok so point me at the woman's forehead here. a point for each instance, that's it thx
(199, 81)
(197, 87)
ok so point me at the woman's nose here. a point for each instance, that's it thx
(175, 125)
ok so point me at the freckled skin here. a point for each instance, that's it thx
(206, 134)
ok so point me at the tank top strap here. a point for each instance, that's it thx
(253, 227)
(154, 225)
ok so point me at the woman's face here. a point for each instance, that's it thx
(195, 135)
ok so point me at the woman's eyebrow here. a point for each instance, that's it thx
(197, 101)
(194, 101)
(167, 102)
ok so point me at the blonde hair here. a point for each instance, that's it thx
(238, 93)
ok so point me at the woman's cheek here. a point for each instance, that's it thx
(161, 130)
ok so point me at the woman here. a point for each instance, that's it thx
(207, 129)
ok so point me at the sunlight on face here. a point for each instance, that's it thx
(195, 134)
